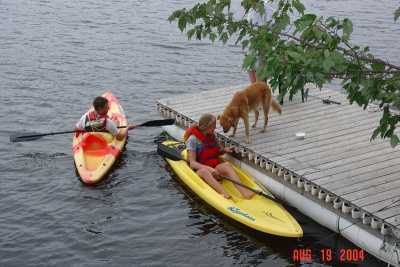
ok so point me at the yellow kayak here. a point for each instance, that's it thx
(259, 213)
(96, 152)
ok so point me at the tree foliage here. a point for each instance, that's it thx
(297, 47)
(397, 14)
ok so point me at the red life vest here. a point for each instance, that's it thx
(209, 151)
(95, 122)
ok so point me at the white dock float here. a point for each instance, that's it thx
(335, 175)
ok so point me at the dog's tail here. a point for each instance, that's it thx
(275, 106)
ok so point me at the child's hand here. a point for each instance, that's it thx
(229, 149)
(131, 126)
(212, 171)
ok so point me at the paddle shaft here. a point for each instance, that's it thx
(30, 137)
(55, 133)
(247, 187)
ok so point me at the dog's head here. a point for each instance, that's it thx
(226, 122)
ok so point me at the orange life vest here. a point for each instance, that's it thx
(209, 152)
(95, 122)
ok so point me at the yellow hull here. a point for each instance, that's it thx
(96, 152)
(259, 213)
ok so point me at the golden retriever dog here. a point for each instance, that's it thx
(244, 101)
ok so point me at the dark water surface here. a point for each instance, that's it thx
(55, 56)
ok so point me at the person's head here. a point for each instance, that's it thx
(100, 105)
(207, 123)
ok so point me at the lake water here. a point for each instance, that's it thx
(55, 57)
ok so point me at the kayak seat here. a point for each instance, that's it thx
(95, 145)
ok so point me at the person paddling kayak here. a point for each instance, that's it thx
(204, 151)
(97, 120)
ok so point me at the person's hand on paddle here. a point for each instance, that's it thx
(124, 131)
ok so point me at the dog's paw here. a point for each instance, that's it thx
(263, 131)
(253, 126)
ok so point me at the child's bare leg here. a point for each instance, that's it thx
(209, 178)
(225, 169)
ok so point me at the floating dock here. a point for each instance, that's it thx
(335, 175)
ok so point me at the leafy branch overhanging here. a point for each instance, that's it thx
(295, 48)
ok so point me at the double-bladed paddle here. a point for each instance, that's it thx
(173, 154)
(34, 136)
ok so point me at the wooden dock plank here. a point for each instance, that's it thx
(320, 155)
(335, 155)
(309, 126)
(350, 165)
(341, 185)
(380, 186)
(390, 215)
(377, 196)
(339, 139)
(217, 105)
(356, 172)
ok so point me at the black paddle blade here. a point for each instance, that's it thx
(24, 137)
(158, 123)
(168, 152)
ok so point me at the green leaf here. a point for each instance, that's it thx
(378, 66)
(397, 14)
(347, 29)
(317, 32)
(249, 61)
(182, 22)
(175, 14)
(307, 35)
(295, 55)
(309, 19)
(224, 37)
(305, 21)
(213, 36)
(198, 32)
(262, 73)
(333, 43)
(331, 22)
(299, 6)
(375, 133)
(394, 140)
(282, 22)
(339, 61)
(260, 7)
(327, 64)
(190, 33)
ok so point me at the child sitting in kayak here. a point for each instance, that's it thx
(203, 154)
(97, 120)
